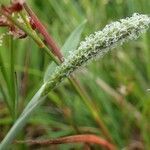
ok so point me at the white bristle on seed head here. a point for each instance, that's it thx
(99, 43)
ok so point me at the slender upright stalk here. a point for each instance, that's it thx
(91, 107)
(55, 49)
(32, 34)
(4, 72)
(76, 85)
(5, 76)
(98, 43)
(6, 100)
(12, 78)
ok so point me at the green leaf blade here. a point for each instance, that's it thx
(73, 40)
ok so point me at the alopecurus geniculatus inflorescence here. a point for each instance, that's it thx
(99, 43)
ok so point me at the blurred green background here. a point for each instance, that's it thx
(122, 75)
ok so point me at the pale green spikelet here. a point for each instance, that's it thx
(1, 38)
(99, 43)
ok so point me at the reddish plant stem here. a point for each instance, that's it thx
(84, 138)
(57, 52)
(40, 27)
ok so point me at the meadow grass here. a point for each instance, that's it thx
(123, 75)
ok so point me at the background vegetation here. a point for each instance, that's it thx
(116, 84)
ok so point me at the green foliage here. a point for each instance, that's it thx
(73, 40)
(126, 71)
(70, 45)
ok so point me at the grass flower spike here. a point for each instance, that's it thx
(99, 43)
(94, 46)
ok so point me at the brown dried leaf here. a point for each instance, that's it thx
(84, 138)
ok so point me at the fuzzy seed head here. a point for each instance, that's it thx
(99, 43)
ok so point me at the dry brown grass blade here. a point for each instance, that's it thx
(84, 138)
